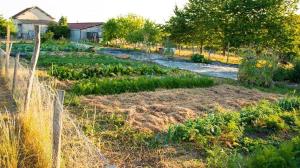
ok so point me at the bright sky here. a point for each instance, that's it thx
(95, 10)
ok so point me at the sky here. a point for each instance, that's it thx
(95, 10)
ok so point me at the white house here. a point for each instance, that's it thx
(27, 18)
(86, 31)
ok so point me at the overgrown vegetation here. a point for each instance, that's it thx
(255, 131)
(122, 85)
(197, 58)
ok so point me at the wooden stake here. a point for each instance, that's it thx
(34, 60)
(15, 73)
(57, 128)
(7, 50)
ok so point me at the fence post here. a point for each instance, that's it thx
(17, 58)
(57, 128)
(34, 60)
(7, 50)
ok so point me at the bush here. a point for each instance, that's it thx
(282, 74)
(295, 75)
(290, 103)
(47, 36)
(286, 156)
(122, 85)
(259, 71)
(197, 58)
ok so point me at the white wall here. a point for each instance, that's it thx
(75, 35)
(34, 14)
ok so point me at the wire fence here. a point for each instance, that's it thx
(76, 149)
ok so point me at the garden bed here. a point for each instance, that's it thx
(155, 111)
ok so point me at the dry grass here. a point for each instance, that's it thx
(155, 111)
(9, 141)
(232, 59)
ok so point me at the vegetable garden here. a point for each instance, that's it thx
(247, 133)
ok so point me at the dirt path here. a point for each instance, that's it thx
(155, 111)
(221, 71)
(6, 100)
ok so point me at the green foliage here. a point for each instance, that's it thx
(3, 26)
(197, 58)
(295, 75)
(122, 85)
(60, 29)
(286, 156)
(132, 29)
(50, 45)
(77, 72)
(290, 103)
(227, 128)
(47, 36)
(215, 128)
(257, 70)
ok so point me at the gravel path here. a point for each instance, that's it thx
(221, 71)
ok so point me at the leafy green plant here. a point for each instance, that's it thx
(122, 85)
(290, 103)
(197, 58)
(77, 72)
(287, 156)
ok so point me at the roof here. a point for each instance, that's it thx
(39, 22)
(28, 9)
(85, 25)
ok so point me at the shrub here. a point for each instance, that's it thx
(259, 71)
(282, 74)
(262, 118)
(290, 103)
(122, 85)
(197, 58)
(295, 75)
(47, 36)
(286, 156)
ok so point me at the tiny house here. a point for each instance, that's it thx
(86, 31)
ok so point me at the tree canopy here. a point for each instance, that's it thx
(132, 29)
(262, 24)
(60, 29)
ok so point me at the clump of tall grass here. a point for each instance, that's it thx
(9, 142)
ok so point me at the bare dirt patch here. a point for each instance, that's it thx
(156, 111)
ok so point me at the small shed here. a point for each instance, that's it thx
(86, 31)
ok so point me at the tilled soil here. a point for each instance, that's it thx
(156, 111)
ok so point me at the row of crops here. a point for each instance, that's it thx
(27, 47)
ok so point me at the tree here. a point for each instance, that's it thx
(3, 26)
(60, 29)
(63, 21)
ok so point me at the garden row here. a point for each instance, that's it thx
(249, 138)
(61, 45)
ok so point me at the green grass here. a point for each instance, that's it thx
(122, 85)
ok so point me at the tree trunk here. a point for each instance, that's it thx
(201, 47)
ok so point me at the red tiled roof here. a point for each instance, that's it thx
(84, 25)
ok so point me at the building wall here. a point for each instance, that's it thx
(26, 31)
(77, 35)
